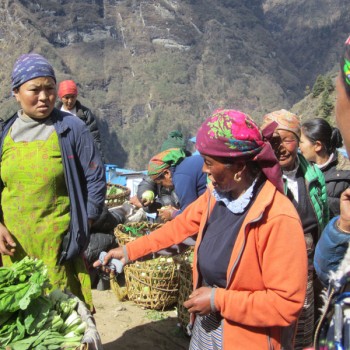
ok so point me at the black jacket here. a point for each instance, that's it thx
(337, 177)
(89, 119)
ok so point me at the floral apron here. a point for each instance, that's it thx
(36, 208)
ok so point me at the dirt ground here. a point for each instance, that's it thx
(124, 325)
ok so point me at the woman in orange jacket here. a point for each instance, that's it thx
(250, 264)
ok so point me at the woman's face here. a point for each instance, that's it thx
(165, 180)
(307, 148)
(37, 97)
(69, 101)
(285, 145)
(220, 174)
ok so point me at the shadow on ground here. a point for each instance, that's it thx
(162, 335)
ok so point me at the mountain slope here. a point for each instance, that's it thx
(148, 67)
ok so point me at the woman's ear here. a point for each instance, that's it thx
(15, 93)
(240, 167)
(167, 174)
(318, 146)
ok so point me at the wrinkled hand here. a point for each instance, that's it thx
(135, 201)
(146, 202)
(7, 244)
(199, 301)
(344, 218)
(116, 253)
(166, 213)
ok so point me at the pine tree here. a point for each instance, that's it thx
(318, 86)
(307, 90)
(326, 106)
(328, 84)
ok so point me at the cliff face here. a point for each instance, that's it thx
(148, 67)
(310, 32)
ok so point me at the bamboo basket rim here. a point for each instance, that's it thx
(125, 237)
(126, 191)
(114, 200)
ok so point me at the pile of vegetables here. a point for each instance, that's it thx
(29, 319)
(113, 190)
(137, 231)
(116, 195)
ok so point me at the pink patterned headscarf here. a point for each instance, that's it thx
(230, 133)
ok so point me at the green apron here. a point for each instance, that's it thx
(35, 207)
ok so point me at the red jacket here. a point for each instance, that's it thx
(267, 272)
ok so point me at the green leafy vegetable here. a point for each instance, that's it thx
(35, 316)
(22, 282)
(29, 319)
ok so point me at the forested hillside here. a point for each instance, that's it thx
(148, 67)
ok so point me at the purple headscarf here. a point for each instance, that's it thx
(30, 66)
(230, 133)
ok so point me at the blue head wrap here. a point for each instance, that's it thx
(30, 66)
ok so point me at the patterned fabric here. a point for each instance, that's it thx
(285, 120)
(67, 87)
(305, 326)
(165, 160)
(174, 140)
(229, 133)
(232, 134)
(206, 333)
(345, 65)
(30, 66)
(36, 209)
(239, 205)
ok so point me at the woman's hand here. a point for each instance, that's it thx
(199, 301)
(135, 201)
(7, 244)
(117, 253)
(344, 218)
(166, 213)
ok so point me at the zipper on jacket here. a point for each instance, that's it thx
(242, 247)
(204, 228)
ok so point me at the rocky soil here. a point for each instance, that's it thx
(124, 325)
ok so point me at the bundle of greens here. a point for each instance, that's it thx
(113, 190)
(136, 231)
(29, 319)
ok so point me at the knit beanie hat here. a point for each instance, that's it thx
(30, 66)
(67, 87)
(285, 121)
(174, 140)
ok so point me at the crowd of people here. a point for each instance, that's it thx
(267, 207)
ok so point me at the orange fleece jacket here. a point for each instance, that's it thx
(267, 272)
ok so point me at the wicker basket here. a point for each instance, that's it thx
(154, 283)
(185, 262)
(114, 200)
(129, 232)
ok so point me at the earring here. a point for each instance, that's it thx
(237, 178)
